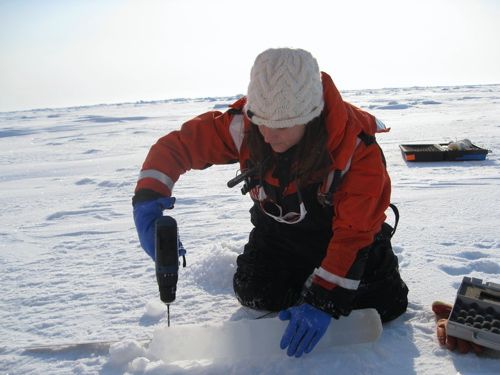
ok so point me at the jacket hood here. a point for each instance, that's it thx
(342, 133)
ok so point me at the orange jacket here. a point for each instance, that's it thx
(359, 203)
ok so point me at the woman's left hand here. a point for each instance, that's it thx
(307, 326)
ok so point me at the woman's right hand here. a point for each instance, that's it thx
(145, 215)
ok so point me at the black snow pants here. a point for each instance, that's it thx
(272, 269)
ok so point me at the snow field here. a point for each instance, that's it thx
(72, 270)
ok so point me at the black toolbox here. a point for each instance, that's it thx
(476, 313)
(441, 152)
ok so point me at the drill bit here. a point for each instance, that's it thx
(168, 314)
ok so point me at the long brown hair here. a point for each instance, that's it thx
(311, 155)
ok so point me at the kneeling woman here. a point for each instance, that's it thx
(320, 246)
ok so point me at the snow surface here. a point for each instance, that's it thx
(71, 268)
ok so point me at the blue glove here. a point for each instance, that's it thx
(307, 326)
(145, 215)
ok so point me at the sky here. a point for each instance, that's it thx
(60, 53)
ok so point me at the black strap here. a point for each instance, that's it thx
(337, 179)
(396, 218)
(337, 174)
(367, 138)
(235, 111)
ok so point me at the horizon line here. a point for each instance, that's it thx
(225, 97)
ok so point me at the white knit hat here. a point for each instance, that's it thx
(285, 89)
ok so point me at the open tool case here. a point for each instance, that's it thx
(476, 313)
(440, 152)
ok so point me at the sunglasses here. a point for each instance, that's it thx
(274, 210)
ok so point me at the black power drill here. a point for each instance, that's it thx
(167, 259)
